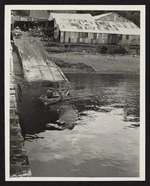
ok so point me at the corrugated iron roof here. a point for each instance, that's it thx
(102, 15)
(116, 27)
(86, 23)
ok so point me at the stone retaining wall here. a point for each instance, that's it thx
(19, 164)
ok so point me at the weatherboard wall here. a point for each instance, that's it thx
(97, 38)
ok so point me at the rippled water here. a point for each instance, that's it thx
(105, 143)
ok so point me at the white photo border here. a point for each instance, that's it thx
(7, 18)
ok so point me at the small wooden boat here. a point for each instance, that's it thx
(47, 101)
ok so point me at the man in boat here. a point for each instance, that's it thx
(49, 93)
(53, 96)
(52, 92)
(50, 97)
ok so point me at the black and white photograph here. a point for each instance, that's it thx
(74, 93)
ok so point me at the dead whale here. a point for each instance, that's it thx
(68, 116)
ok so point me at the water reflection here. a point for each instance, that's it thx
(105, 142)
(113, 91)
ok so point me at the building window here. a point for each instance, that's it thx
(83, 35)
(120, 37)
(94, 36)
(127, 36)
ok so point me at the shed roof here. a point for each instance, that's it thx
(86, 23)
(117, 27)
(102, 15)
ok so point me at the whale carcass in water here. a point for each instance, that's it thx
(68, 117)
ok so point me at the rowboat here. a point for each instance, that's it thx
(48, 101)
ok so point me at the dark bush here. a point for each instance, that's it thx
(104, 49)
(120, 50)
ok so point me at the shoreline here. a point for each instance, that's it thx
(68, 71)
(96, 63)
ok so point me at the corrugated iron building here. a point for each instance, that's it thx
(111, 16)
(36, 17)
(23, 22)
(40, 17)
(103, 29)
(129, 32)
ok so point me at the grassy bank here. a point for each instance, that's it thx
(80, 62)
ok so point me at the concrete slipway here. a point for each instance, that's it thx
(37, 66)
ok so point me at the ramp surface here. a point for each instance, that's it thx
(35, 61)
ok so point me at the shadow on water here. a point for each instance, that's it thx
(105, 92)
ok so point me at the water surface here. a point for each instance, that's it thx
(105, 143)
